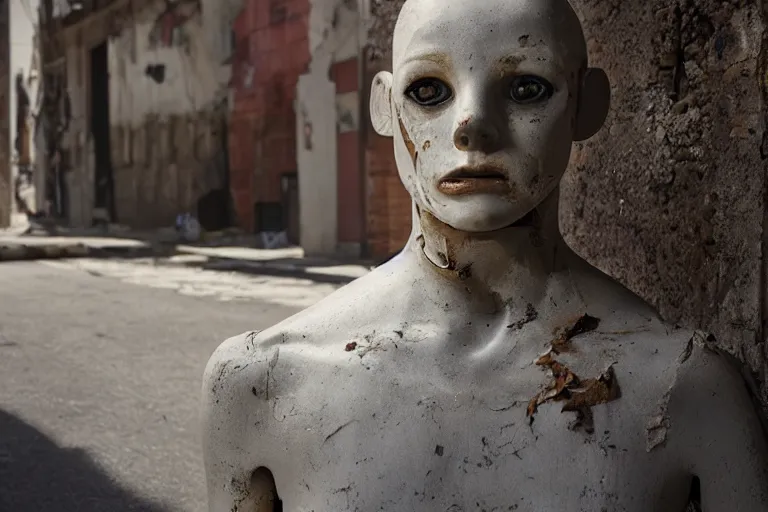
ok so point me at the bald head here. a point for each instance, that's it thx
(527, 22)
(487, 84)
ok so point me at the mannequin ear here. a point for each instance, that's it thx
(381, 104)
(594, 103)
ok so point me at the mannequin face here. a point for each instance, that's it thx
(483, 104)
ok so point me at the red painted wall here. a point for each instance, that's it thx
(349, 179)
(388, 205)
(271, 52)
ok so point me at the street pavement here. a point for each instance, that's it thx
(100, 369)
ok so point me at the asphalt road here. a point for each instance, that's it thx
(100, 368)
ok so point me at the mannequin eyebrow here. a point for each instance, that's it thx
(438, 58)
(514, 60)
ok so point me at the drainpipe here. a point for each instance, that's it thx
(363, 10)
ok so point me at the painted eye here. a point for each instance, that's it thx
(530, 89)
(429, 92)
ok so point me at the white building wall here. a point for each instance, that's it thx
(23, 24)
(192, 80)
(334, 29)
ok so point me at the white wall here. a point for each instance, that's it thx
(23, 22)
(316, 105)
(194, 75)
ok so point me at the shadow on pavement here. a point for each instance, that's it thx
(37, 475)
(281, 267)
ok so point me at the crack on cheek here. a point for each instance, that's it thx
(407, 139)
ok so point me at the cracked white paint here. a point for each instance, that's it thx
(333, 37)
(195, 76)
(23, 59)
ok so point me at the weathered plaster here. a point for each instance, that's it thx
(333, 37)
(165, 97)
(191, 78)
(23, 16)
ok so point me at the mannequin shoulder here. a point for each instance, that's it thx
(312, 338)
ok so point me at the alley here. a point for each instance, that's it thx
(100, 367)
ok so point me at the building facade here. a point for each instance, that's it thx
(138, 103)
(252, 112)
(19, 76)
(305, 163)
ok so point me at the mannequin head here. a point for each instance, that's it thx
(484, 103)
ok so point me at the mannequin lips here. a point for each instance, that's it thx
(483, 179)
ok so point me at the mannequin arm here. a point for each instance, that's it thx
(715, 422)
(234, 482)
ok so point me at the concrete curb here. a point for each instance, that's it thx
(38, 251)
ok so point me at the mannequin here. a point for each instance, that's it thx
(488, 367)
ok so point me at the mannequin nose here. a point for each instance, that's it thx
(475, 135)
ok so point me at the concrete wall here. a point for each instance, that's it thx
(168, 101)
(166, 82)
(191, 75)
(79, 180)
(23, 51)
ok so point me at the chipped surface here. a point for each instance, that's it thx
(426, 411)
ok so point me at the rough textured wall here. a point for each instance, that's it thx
(332, 30)
(669, 196)
(166, 112)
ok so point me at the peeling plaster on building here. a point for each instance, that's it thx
(333, 37)
(166, 117)
(168, 77)
(190, 82)
(23, 61)
(79, 182)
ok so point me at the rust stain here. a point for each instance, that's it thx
(407, 139)
(465, 122)
(579, 394)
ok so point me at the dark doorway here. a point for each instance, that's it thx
(100, 131)
(290, 202)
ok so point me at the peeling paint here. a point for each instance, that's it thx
(659, 424)
(407, 139)
(580, 395)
